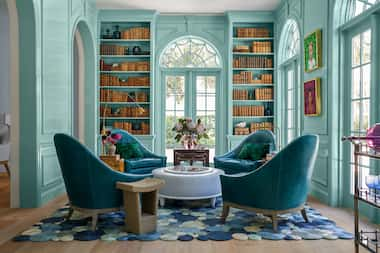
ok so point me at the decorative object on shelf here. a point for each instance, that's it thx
(241, 124)
(312, 97)
(268, 110)
(136, 50)
(313, 50)
(113, 161)
(116, 33)
(374, 131)
(189, 133)
(109, 141)
(107, 35)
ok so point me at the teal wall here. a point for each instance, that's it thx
(46, 40)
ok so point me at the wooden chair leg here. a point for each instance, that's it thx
(274, 222)
(94, 221)
(71, 210)
(7, 168)
(226, 210)
(304, 215)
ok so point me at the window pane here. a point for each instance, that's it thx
(366, 86)
(356, 50)
(355, 116)
(366, 53)
(291, 135)
(290, 80)
(356, 82)
(291, 122)
(366, 115)
(290, 99)
(211, 84)
(201, 84)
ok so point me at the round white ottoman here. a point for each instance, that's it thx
(189, 186)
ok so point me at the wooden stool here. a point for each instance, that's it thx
(141, 214)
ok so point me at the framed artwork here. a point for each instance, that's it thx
(313, 50)
(312, 97)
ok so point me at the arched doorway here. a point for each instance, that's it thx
(190, 78)
(83, 85)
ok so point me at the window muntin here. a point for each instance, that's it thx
(359, 6)
(190, 52)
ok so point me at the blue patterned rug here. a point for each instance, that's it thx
(185, 222)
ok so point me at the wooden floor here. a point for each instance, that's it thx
(14, 221)
(4, 190)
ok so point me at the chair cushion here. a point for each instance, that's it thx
(136, 163)
(239, 165)
(253, 151)
(129, 150)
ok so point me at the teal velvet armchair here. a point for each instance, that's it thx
(230, 162)
(90, 183)
(279, 186)
(143, 165)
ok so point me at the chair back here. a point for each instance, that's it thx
(260, 136)
(128, 138)
(293, 170)
(85, 176)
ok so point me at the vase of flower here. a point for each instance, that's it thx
(112, 149)
(109, 140)
(189, 133)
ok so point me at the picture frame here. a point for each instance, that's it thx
(312, 97)
(313, 51)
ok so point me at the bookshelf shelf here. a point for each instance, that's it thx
(125, 76)
(252, 71)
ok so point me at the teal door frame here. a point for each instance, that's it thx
(190, 75)
(347, 196)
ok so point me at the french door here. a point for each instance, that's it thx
(190, 94)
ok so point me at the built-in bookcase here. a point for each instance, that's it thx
(252, 77)
(125, 76)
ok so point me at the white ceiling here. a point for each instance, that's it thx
(190, 6)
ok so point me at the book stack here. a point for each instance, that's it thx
(255, 126)
(262, 47)
(126, 111)
(135, 66)
(238, 94)
(136, 33)
(266, 78)
(243, 77)
(112, 50)
(264, 94)
(109, 80)
(133, 128)
(138, 81)
(241, 130)
(123, 96)
(241, 48)
(248, 110)
(253, 32)
(252, 62)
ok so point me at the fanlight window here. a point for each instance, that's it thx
(190, 52)
(292, 41)
(362, 5)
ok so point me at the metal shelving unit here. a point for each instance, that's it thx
(367, 239)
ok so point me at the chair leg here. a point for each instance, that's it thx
(304, 215)
(7, 168)
(71, 210)
(94, 221)
(226, 210)
(274, 222)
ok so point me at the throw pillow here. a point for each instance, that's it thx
(254, 151)
(129, 150)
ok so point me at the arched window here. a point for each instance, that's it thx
(289, 51)
(360, 6)
(190, 71)
(190, 52)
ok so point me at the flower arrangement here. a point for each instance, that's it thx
(189, 133)
(109, 140)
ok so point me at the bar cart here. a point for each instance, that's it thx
(367, 239)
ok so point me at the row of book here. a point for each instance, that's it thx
(264, 94)
(136, 33)
(125, 66)
(110, 80)
(123, 96)
(136, 128)
(252, 32)
(113, 50)
(255, 126)
(126, 111)
(262, 47)
(247, 77)
(252, 62)
(248, 110)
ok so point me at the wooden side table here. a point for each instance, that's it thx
(140, 203)
(192, 155)
(113, 161)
